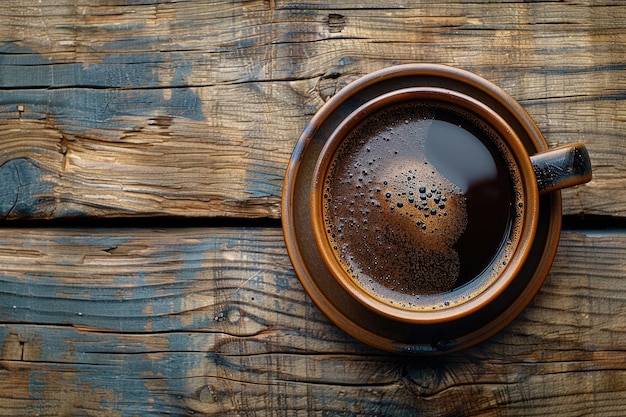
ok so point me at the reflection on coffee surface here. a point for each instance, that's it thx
(420, 199)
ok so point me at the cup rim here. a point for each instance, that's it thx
(491, 289)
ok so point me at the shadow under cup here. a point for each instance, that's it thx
(422, 207)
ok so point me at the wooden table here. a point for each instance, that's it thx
(143, 146)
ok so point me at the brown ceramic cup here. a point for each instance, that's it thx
(424, 203)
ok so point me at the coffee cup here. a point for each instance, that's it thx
(424, 202)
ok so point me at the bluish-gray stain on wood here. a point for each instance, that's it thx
(137, 302)
(100, 365)
(24, 191)
(260, 182)
(139, 306)
(82, 97)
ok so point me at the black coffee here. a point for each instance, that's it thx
(421, 199)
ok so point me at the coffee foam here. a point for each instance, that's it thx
(393, 218)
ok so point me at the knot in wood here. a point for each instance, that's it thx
(206, 395)
(424, 379)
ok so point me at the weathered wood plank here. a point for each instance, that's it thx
(193, 108)
(125, 322)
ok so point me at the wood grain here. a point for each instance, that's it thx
(157, 108)
(125, 322)
(193, 108)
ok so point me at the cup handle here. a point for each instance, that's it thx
(561, 167)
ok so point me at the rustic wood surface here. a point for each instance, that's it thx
(148, 108)
(180, 321)
(190, 109)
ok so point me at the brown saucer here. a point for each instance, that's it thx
(331, 298)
